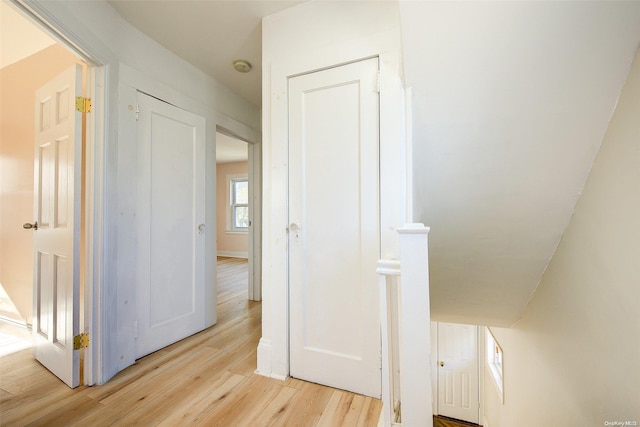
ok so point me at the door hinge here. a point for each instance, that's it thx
(135, 329)
(378, 81)
(83, 104)
(81, 341)
(137, 112)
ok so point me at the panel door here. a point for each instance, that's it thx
(458, 394)
(334, 238)
(58, 155)
(171, 229)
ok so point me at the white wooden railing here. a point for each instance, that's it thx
(406, 341)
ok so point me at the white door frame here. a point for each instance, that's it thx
(97, 123)
(273, 349)
(254, 151)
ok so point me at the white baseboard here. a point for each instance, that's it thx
(15, 322)
(234, 254)
(264, 358)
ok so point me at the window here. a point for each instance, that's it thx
(495, 362)
(238, 203)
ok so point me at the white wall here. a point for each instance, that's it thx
(301, 39)
(134, 61)
(574, 358)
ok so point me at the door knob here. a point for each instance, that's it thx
(295, 229)
(441, 364)
(29, 226)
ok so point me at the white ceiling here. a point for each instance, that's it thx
(209, 34)
(19, 38)
(229, 149)
(511, 103)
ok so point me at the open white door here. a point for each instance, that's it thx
(334, 231)
(171, 229)
(58, 156)
(458, 394)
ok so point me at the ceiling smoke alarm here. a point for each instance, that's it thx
(242, 66)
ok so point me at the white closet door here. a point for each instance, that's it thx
(334, 237)
(171, 229)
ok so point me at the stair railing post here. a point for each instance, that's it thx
(415, 330)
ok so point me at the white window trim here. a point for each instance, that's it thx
(496, 371)
(230, 228)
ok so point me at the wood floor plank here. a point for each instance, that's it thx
(307, 409)
(207, 379)
(275, 408)
(195, 411)
(29, 408)
(337, 409)
(240, 404)
(68, 414)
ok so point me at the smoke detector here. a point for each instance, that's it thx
(242, 66)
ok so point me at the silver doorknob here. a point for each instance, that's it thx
(29, 226)
(441, 364)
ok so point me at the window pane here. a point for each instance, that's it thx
(241, 191)
(240, 217)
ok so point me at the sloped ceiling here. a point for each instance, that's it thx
(511, 103)
(19, 38)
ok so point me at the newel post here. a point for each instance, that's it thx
(415, 333)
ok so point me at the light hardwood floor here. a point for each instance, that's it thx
(439, 421)
(206, 379)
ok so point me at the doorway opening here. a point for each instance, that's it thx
(34, 56)
(238, 206)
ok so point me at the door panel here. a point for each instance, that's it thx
(58, 154)
(170, 293)
(334, 238)
(458, 371)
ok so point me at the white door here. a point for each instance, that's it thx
(458, 371)
(334, 238)
(171, 229)
(58, 156)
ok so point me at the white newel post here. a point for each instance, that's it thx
(415, 332)
(406, 332)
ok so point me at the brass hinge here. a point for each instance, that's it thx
(81, 341)
(83, 104)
